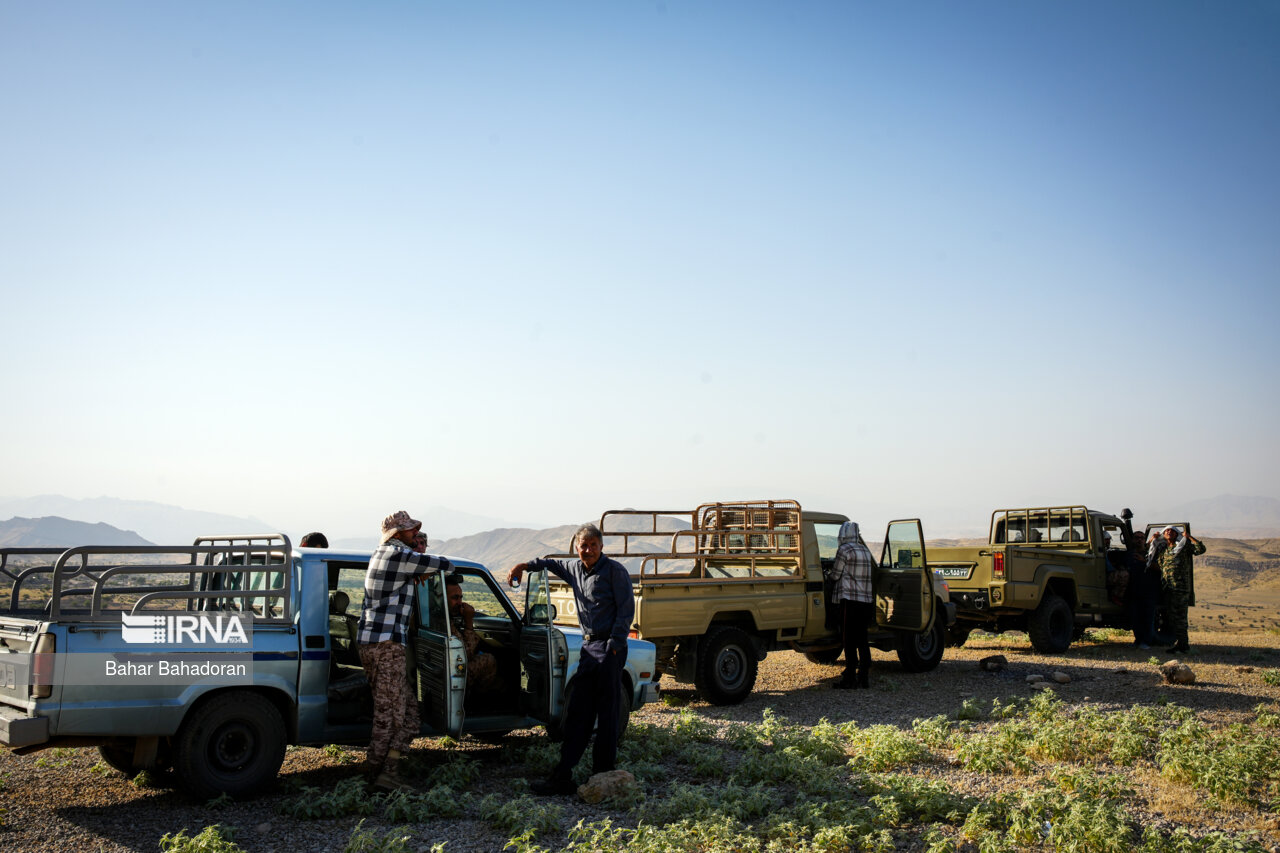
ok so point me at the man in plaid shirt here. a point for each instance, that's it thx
(852, 576)
(383, 631)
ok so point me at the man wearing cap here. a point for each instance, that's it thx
(383, 631)
(602, 591)
(1175, 569)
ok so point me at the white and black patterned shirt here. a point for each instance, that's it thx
(852, 573)
(388, 590)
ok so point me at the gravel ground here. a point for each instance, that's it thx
(55, 801)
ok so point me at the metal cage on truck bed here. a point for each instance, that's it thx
(247, 573)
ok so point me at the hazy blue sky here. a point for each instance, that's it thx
(315, 262)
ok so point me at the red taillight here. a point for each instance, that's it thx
(42, 666)
(997, 565)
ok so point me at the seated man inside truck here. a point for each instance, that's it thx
(482, 666)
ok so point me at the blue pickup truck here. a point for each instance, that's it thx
(211, 658)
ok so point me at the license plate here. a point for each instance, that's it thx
(954, 571)
(9, 676)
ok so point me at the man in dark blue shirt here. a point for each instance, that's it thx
(602, 590)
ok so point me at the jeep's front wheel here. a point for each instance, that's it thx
(726, 666)
(922, 651)
(958, 635)
(1051, 625)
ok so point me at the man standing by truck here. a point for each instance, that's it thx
(851, 573)
(383, 632)
(602, 591)
(1175, 568)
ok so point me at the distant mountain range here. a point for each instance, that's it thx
(162, 524)
(1230, 516)
(55, 532)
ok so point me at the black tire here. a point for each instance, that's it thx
(231, 744)
(826, 657)
(119, 755)
(1051, 625)
(922, 651)
(624, 710)
(958, 635)
(726, 666)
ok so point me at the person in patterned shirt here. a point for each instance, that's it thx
(851, 573)
(1175, 570)
(382, 634)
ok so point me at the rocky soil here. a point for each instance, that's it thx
(66, 800)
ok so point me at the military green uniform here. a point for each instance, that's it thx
(1175, 572)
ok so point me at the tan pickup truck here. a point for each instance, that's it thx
(1049, 571)
(720, 586)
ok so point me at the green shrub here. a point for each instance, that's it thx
(513, 815)
(348, 797)
(212, 839)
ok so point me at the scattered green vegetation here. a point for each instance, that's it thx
(1271, 677)
(212, 839)
(220, 802)
(368, 841)
(348, 797)
(1081, 777)
(340, 754)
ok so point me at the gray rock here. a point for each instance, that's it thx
(1177, 673)
(1062, 678)
(993, 663)
(1034, 677)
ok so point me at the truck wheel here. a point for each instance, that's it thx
(826, 657)
(119, 755)
(726, 669)
(921, 652)
(1051, 625)
(232, 744)
(624, 710)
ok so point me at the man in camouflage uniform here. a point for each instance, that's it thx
(482, 667)
(1175, 570)
(384, 627)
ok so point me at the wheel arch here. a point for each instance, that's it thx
(279, 699)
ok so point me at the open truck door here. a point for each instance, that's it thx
(905, 599)
(1184, 527)
(903, 590)
(543, 655)
(440, 660)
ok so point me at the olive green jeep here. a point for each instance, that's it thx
(1049, 571)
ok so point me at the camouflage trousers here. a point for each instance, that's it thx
(1174, 615)
(395, 708)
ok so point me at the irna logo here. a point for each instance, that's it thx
(195, 629)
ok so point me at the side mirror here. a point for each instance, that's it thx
(538, 613)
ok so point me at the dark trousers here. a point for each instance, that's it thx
(1144, 597)
(594, 703)
(855, 618)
